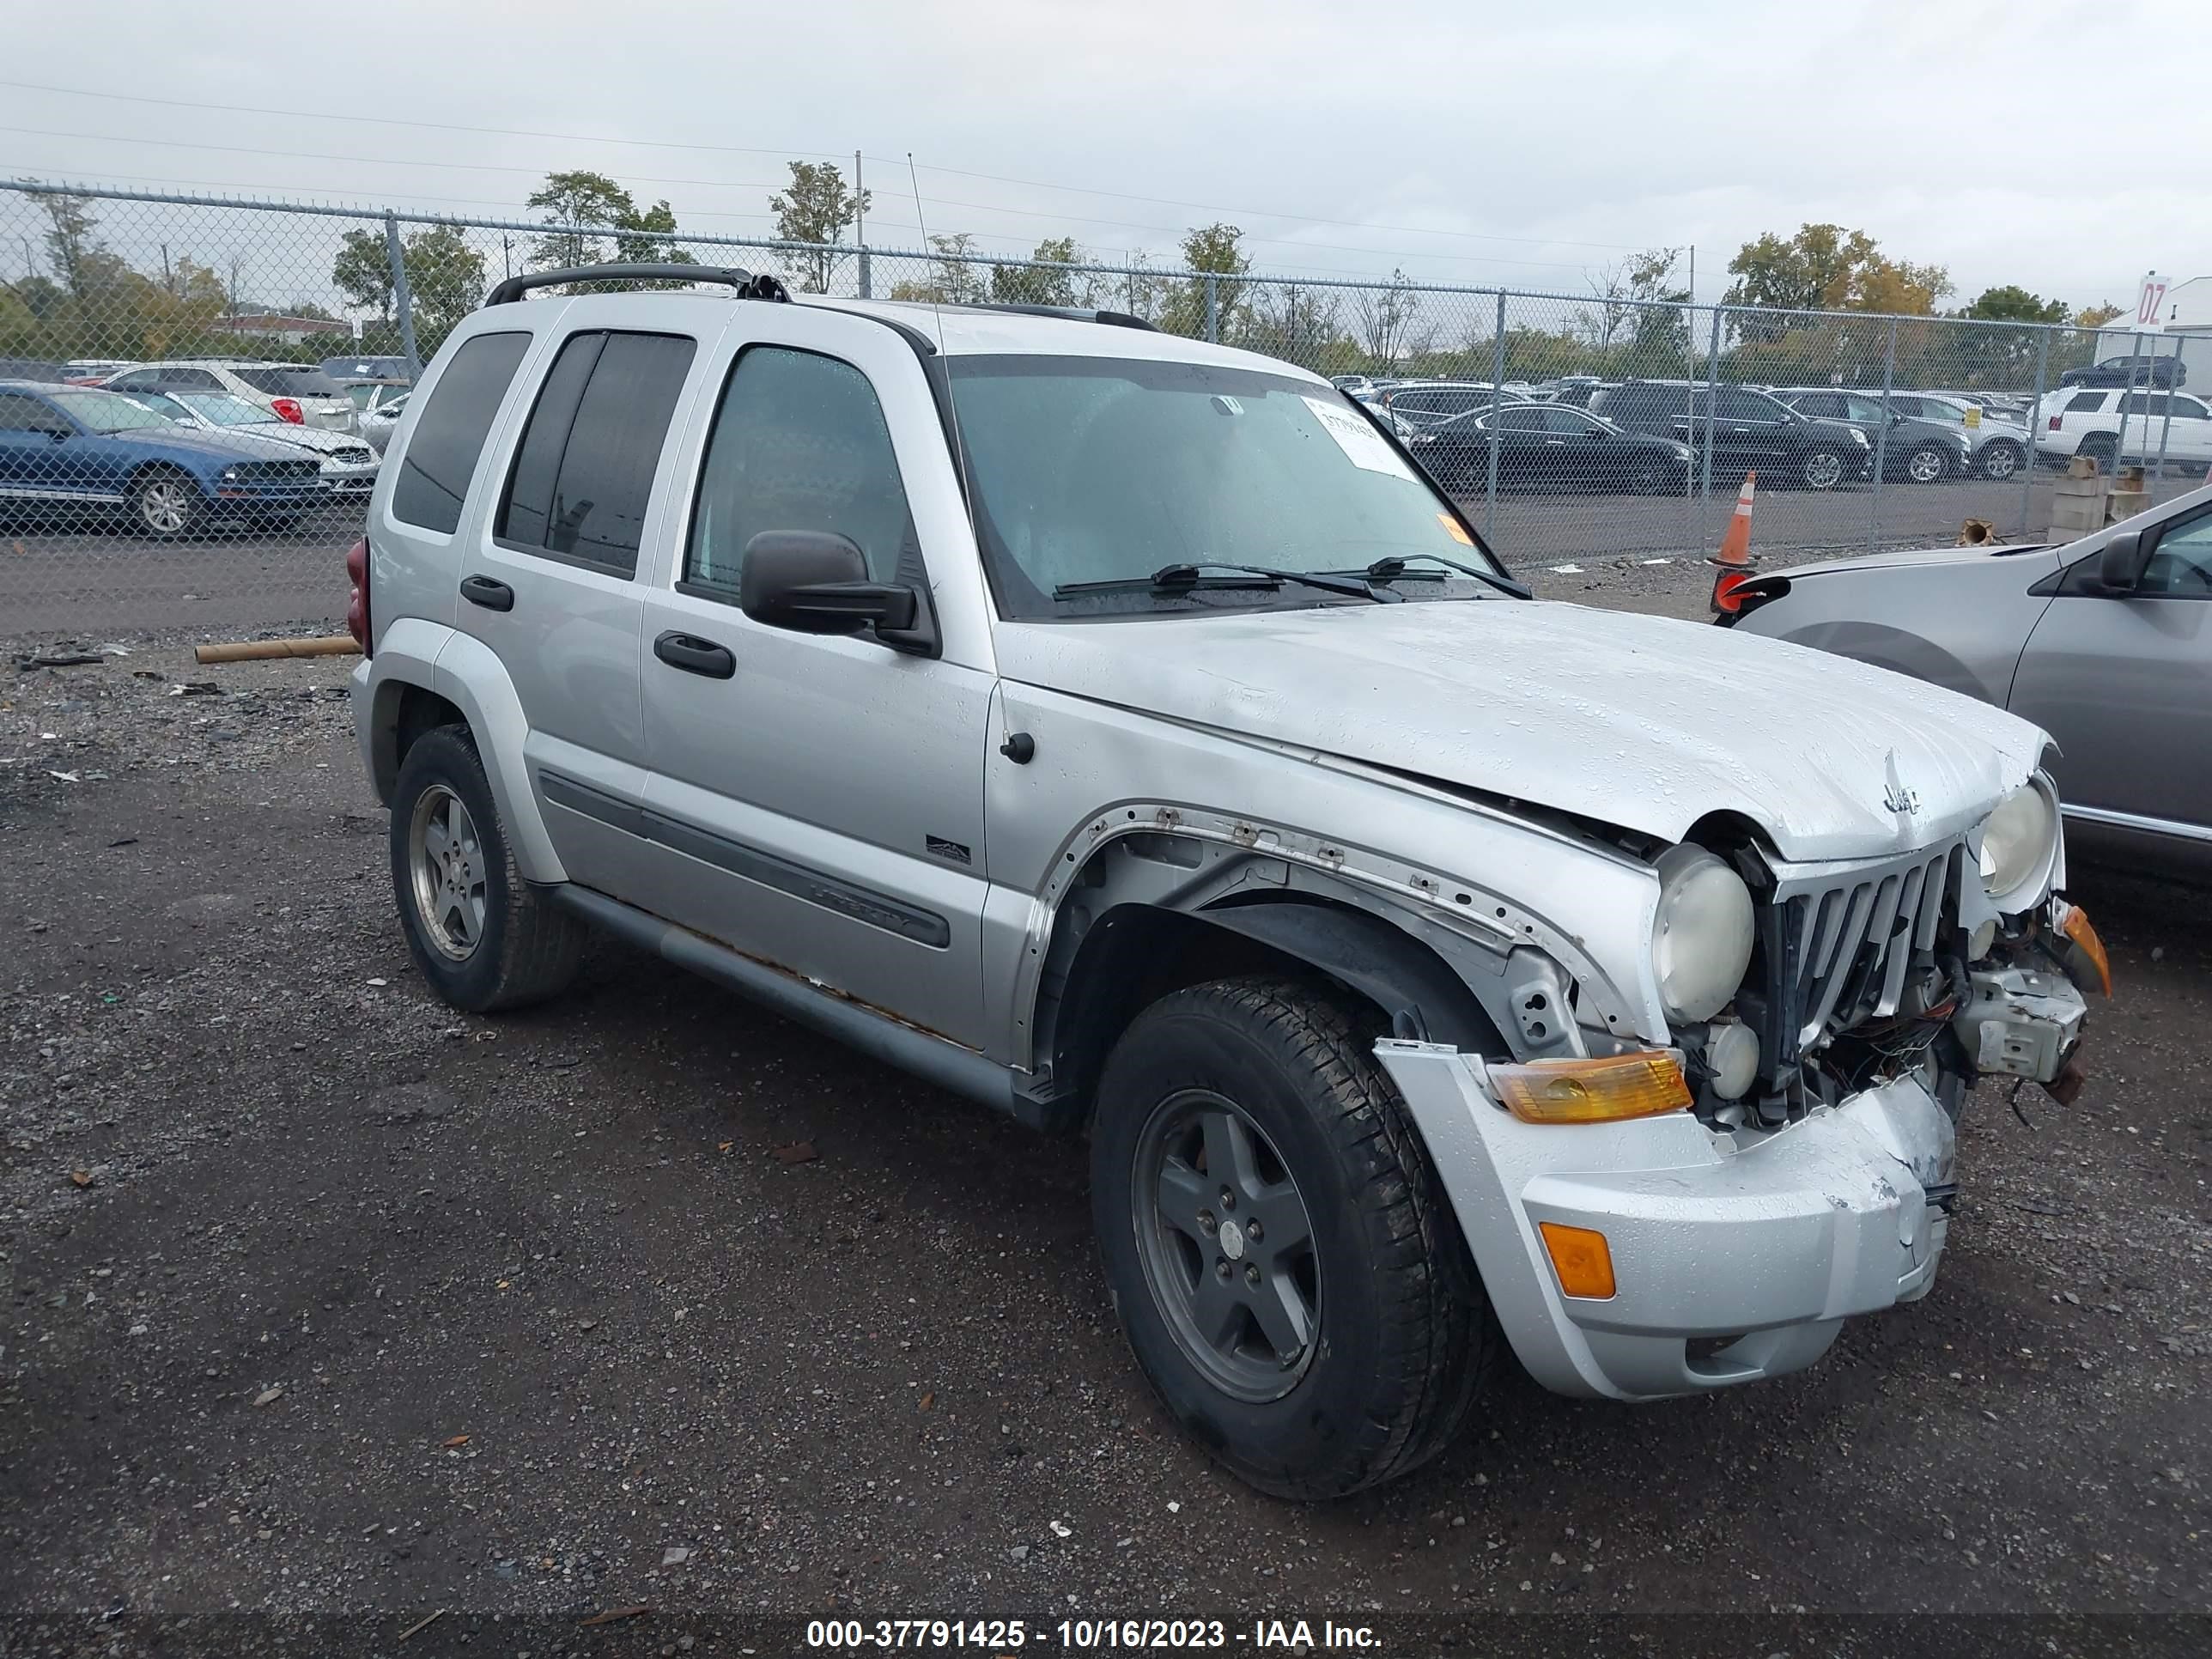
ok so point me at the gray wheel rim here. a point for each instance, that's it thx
(1824, 471)
(446, 867)
(165, 505)
(1227, 1245)
(1925, 466)
(2000, 462)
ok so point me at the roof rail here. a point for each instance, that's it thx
(748, 286)
(1073, 313)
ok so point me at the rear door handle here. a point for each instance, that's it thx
(696, 656)
(491, 594)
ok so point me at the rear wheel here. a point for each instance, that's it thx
(2000, 461)
(166, 503)
(2102, 447)
(1284, 1262)
(1821, 469)
(483, 937)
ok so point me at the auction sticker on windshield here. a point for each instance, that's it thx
(1362, 444)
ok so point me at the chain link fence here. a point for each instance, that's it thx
(256, 357)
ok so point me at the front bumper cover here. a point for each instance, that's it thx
(1734, 1258)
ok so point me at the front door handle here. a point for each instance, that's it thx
(696, 656)
(491, 594)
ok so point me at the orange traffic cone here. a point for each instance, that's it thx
(1734, 560)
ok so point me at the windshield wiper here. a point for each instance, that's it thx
(1183, 578)
(1394, 569)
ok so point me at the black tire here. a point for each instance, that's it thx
(166, 503)
(2001, 461)
(2102, 447)
(1823, 468)
(524, 947)
(278, 522)
(1402, 1337)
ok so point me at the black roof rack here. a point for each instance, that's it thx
(1073, 313)
(749, 287)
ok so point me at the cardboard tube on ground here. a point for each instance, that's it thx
(255, 650)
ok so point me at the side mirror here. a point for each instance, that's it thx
(814, 581)
(2120, 565)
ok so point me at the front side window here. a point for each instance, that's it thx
(799, 443)
(441, 456)
(176, 379)
(1822, 405)
(21, 413)
(2180, 566)
(1090, 470)
(1522, 420)
(583, 478)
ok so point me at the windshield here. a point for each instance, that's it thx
(222, 409)
(1094, 470)
(109, 411)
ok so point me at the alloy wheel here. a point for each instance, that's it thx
(165, 505)
(1925, 466)
(1824, 470)
(446, 865)
(1227, 1245)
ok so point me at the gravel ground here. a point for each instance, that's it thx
(326, 1309)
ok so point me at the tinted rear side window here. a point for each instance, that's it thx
(2086, 403)
(441, 456)
(583, 475)
(284, 382)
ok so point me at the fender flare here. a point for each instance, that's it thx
(467, 673)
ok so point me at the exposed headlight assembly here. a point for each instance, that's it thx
(2019, 845)
(1701, 935)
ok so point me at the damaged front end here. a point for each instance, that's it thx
(1943, 963)
(1828, 1020)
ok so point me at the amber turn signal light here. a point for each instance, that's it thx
(2077, 928)
(1582, 1259)
(1602, 1090)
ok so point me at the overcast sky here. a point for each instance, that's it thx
(1470, 142)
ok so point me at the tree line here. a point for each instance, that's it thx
(1798, 298)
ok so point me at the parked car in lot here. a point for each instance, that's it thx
(2105, 643)
(2087, 421)
(1997, 447)
(347, 464)
(1546, 447)
(2149, 370)
(369, 396)
(298, 392)
(1915, 451)
(372, 368)
(72, 449)
(1426, 401)
(1748, 430)
(1166, 757)
(378, 425)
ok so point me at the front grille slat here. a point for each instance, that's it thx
(1857, 930)
(1900, 952)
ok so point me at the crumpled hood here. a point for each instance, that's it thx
(1640, 721)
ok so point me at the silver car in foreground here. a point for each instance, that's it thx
(2105, 643)
(1121, 731)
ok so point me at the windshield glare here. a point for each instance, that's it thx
(109, 411)
(1090, 470)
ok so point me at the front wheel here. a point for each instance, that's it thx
(1283, 1259)
(1927, 465)
(166, 503)
(1821, 469)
